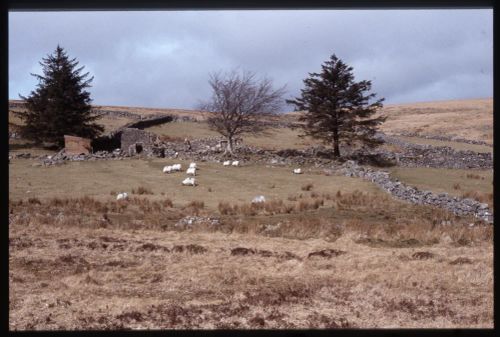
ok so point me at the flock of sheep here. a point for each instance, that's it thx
(191, 181)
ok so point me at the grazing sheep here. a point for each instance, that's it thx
(167, 169)
(259, 198)
(122, 196)
(176, 167)
(192, 165)
(191, 171)
(297, 171)
(226, 163)
(189, 182)
(236, 163)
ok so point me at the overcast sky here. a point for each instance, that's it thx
(163, 58)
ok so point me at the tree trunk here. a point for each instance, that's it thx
(336, 150)
(229, 148)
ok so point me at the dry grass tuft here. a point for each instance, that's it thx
(461, 260)
(422, 256)
(34, 201)
(142, 190)
(168, 203)
(479, 196)
(195, 206)
(307, 187)
(474, 176)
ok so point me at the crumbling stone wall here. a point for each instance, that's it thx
(77, 145)
(136, 141)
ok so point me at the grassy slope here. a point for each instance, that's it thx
(469, 119)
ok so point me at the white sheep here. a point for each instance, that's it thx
(235, 163)
(226, 163)
(122, 196)
(189, 182)
(259, 198)
(167, 169)
(192, 165)
(191, 171)
(297, 171)
(176, 167)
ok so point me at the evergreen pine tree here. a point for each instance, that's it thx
(59, 105)
(336, 108)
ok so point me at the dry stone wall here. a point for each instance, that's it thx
(445, 138)
(459, 206)
(418, 155)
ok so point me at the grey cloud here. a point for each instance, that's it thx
(164, 58)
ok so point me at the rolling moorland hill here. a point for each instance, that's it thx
(469, 119)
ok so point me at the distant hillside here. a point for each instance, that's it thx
(469, 119)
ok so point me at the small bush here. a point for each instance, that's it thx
(196, 204)
(307, 187)
(249, 209)
(317, 203)
(474, 176)
(142, 190)
(34, 201)
(225, 208)
(168, 203)
(456, 186)
(327, 196)
(302, 206)
(274, 206)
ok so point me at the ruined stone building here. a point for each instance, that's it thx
(136, 141)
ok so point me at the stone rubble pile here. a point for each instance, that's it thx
(61, 156)
(14, 135)
(191, 221)
(459, 206)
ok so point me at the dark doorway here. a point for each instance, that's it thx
(138, 148)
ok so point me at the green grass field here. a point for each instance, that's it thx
(216, 182)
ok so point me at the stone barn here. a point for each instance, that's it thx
(136, 141)
(77, 145)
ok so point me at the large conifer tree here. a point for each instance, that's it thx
(59, 105)
(337, 108)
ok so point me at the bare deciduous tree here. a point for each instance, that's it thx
(238, 101)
